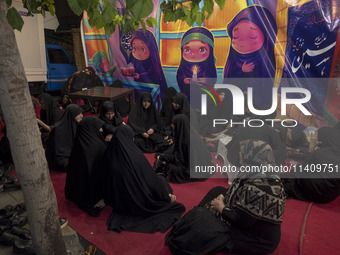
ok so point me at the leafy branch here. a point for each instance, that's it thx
(189, 11)
(129, 16)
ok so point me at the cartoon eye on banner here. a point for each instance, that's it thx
(250, 40)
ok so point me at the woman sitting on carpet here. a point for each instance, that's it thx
(295, 140)
(61, 139)
(50, 114)
(167, 105)
(312, 184)
(144, 121)
(176, 165)
(84, 177)
(111, 117)
(245, 218)
(141, 200)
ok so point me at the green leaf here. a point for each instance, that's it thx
(14, 19)
(179, 13)
(220, 3)
(95, 19)
(200, 18)
(9, 3)
(151, 22)
(75, 7)
(140, 8)
(169, 15)
(194, 12)
(83, 4)
(208, 7)
(51, 8)
(110, 11)
(135, 24)
(143, 25)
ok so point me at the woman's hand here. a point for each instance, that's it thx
(108, 138)
(145, 135)
(172, 197)
(150, 131)
(217, 204)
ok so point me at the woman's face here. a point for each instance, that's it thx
(109, 115)
(247, 37)
(139, 50)
(146, 104)
(42, 104)
(79, 117)
(175, 106)
(196, 51)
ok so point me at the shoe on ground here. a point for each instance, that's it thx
(63, 222)
(21, 232)
(23, 247)
(8, 239)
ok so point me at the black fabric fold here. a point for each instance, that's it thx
(140, 200)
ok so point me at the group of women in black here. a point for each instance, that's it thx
(105, 165)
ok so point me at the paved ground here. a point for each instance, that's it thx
(70, 236)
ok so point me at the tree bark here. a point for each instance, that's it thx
(78, 49)
(26, 147)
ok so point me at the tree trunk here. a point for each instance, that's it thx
(78, 49)
(27, 151)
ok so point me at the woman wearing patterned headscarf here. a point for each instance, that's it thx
(245, 218)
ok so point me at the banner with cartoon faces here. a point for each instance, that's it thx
(293, 42)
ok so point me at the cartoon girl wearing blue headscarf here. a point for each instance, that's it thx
(198, 61)
(102, 65)
(146, 61)
(253, 34)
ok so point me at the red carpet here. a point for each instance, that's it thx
(320, 234)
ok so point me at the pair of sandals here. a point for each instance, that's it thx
(11, 216)
(9, 183)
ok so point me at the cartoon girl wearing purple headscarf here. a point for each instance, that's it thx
(198, 61)
(146, 61)
(251, 55)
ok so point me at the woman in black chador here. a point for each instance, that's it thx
(180, 105)
(61, 139)
(84, 179)
(313, 183)
(50, 114)
(144, 121)
(182, 158)
(141, 200)
(167, 105)
(245, 218)
(111, 117)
